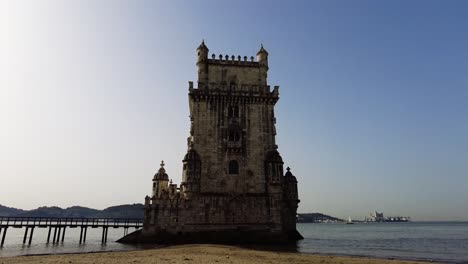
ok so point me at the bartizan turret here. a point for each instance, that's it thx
(262, 57)
(160, 181)
(191, 172)
(202, 64)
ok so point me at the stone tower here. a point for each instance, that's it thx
(233, 188)
(233, 124)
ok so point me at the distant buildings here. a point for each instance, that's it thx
(379, 217)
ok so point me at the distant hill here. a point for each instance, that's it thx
(316, 218)
(9, 211)
(123, 211)
(120, 211)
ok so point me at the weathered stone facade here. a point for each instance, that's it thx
(233, 188)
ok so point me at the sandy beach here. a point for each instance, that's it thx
(196, 254)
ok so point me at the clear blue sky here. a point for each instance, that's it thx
(373, 112)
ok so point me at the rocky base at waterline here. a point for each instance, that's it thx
(230, 236)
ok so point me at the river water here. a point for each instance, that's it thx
(436, 241)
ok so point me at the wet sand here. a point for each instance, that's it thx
(197, 254)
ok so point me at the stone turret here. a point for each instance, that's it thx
(290, 186)
(291, 199)
(202, 64)
(191, 172)
(202, 52)
(160, 181)
(262, 57)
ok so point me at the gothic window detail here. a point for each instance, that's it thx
(233, 167)
(234, 136)
(233, 111)
(273, 166)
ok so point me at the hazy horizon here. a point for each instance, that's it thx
(373, 109)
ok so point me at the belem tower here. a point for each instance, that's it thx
(233, 188)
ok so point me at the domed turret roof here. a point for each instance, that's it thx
(202, 46)
(161, 175)
(191, 155)
(274, 156)
(289, 177)
(262, 50)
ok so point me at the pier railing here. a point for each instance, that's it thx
(59, 224)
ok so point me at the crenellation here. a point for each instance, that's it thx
(232, 60)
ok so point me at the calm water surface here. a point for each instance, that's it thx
(442, 242)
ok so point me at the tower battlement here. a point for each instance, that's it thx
(233, 60)
(225, 71)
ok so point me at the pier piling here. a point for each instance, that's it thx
(81, 235)
(58, 236)
(31, 235)
(55, 235)
(25, 235)
(3, 236)
(105, 238)
(48, 234)
(103, 232)
(84, 237)
(63, 235)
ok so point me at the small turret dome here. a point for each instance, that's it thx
(289, 177)
(191, 155)
(202, 46)
(262, 51)
(274, 156)
(161, 175)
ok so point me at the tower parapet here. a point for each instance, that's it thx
(227, 70)
(233, 60)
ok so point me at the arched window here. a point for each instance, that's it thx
(233, 167)
(233, 111)
(234, 136)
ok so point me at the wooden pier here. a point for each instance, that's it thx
(58, 226)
